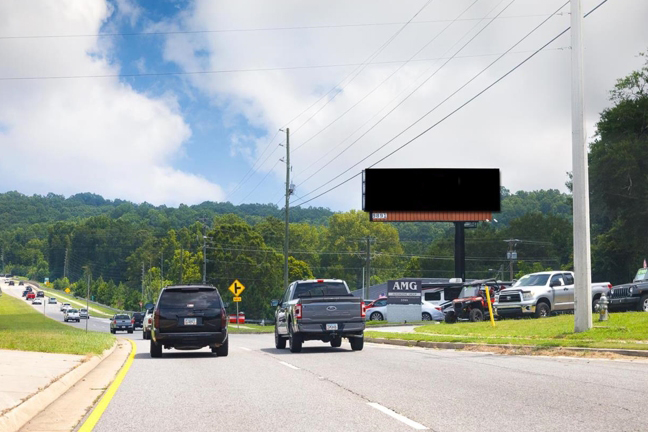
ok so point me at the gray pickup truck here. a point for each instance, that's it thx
(122, 322)
(319, 309)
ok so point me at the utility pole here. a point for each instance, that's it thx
(143, 282)
(204, 255)
(65, 263)
(288, 192)
(582, 257)
(368, 269)
(460, 251)
(181, 263)
(88, 300)
(3, 263)
(511, 255)
(161, 269)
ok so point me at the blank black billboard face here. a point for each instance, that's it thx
(431, 189)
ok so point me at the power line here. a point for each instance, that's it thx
(260, 29)
(410, 94)
(261, 182)
(450, 114)
(383, 81)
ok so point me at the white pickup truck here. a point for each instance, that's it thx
(540, 294)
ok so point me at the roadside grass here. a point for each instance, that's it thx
(253, 328)
(99, 311)
(22, 328)
(391, 324)
(627, 330)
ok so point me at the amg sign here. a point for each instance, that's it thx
(404, 291)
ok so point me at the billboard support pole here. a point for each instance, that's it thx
(460, 251)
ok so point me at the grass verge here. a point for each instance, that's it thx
(61, 297)
(623, 331)
(23, 328)
(250, 328)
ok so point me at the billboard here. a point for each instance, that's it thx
(404, 291)
(431, 190)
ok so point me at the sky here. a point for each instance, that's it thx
(182, 101)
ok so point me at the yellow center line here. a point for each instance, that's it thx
(96, 414)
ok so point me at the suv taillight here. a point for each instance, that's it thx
(223, 319)
(156, 318)
(298, 311)
(609, 286)
(114, 321)
(132, 320)
(363, 310)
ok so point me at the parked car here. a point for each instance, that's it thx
(189, 317)
(472, 304)
(31, 295)
(138, 319)
(83, 313)
(632, 295)
(52, 300)
(40, 294)
(37, 301)
(71, 315)
(64, 306)
(377, 310)
(147, 323)
(431, 312)
(241, 318)
(540, 294)
(319, 309)
(122, 322)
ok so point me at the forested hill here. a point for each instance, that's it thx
(17, 209)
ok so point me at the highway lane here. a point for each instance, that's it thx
(54, 311)
(260, 388)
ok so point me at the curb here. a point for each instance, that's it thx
(460, 346)
(21, 414)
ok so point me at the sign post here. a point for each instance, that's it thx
(237, 288)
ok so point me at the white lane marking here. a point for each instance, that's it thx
(408, 422)
(289, 365)
(246, 349)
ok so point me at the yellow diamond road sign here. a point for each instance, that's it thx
(67, 290)
(236, 299)
(237, 288)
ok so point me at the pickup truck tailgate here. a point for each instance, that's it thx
(331, 309)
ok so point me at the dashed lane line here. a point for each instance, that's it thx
(409, 422)
(289, 365)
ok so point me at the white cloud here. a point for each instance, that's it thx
(96, 134)
(521, 126)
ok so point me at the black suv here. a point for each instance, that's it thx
(139, 319)
(189, 317)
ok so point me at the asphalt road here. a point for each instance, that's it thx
(382, 388)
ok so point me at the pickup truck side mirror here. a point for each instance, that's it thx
(274, 303)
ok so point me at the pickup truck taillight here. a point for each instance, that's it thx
(114, 321)
(156, 318)
(298, 311)
(133, 321)
(363, 310)
(609, 286)
(223, 319)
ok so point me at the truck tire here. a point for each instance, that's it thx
(476, 315)
(155, 350)
(130, 331)
(222, 350)
(594, 303)
(112, 331)
(376, 316)
(450, 318)
(642, 306)
(336, 342)
(357, 343)
(280, 342)
(542, 310)
(295, 340)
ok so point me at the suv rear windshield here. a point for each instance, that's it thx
(72, 311)
(199, 298)
(320, 289)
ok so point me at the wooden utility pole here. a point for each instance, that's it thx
(288, 192)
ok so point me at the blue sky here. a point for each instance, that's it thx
(397, 67)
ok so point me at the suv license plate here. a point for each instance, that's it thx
(330, 327)
(190, 321)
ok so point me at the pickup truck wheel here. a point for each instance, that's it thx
(112, 331)
(542, 310)
(643, 303)
(222, 350)
(594, 303)
(376, 316)
(476, 315)
(426, 316)
(130, 331)
(280, 342)
(357, 343)
(336, 342)
(295, 340)
(155, 350)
